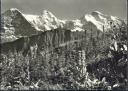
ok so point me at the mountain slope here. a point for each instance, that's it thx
(100, 20)
(14, 25)
(45, 21)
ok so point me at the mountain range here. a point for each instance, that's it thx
(16, 24)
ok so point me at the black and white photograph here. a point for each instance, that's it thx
(63, 45)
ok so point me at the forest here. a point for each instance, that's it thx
(62, 59)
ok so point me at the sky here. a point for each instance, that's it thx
(68, 9)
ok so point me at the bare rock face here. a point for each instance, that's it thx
(15, 24)
(45, 40)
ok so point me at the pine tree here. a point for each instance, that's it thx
(103, 35)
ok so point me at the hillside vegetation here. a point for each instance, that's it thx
(62, 59)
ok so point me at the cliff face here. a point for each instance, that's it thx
(45, 40)
(15, 25)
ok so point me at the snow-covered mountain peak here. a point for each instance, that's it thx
(97, 13)
(114, 18)
(45, 21)
(93, 20)
(99, 16)
(14, 9)
(48, 14)
(99, 20)
(12, 12)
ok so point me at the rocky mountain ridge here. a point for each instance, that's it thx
(16, 24)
